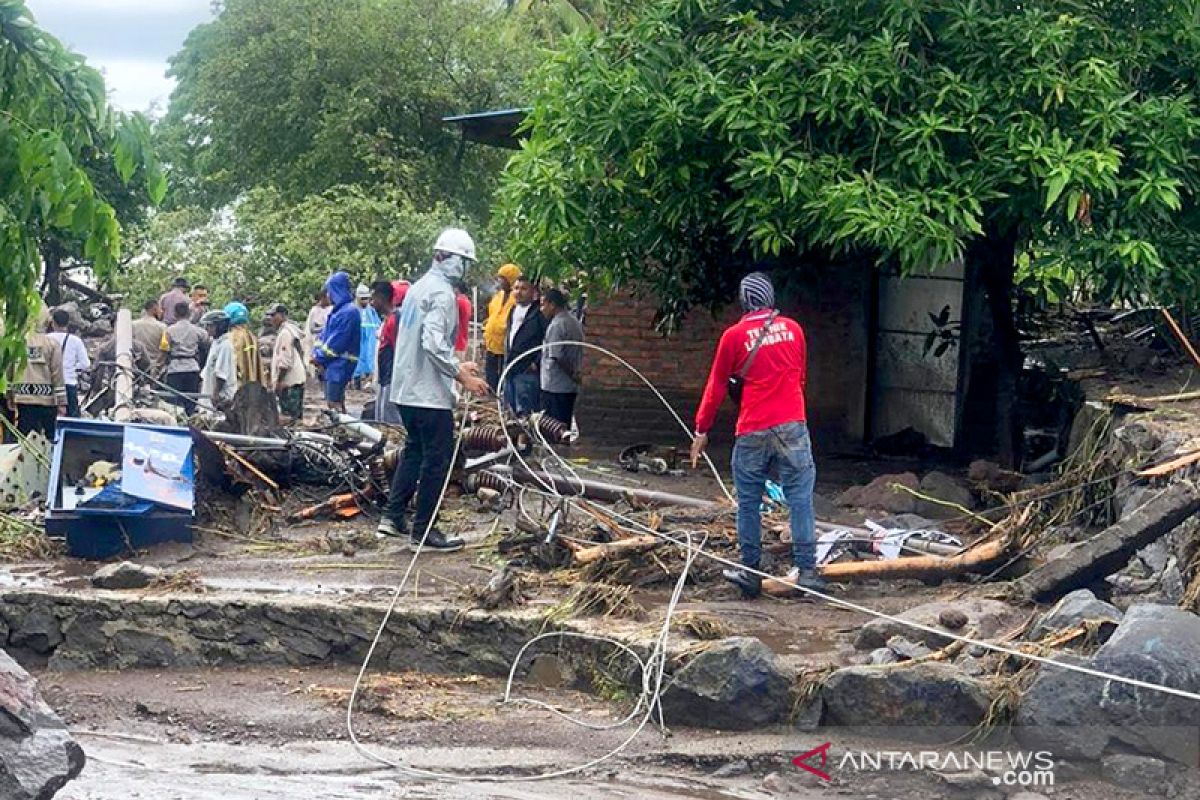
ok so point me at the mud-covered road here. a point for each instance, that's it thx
(254, 734)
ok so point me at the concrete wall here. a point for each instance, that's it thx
(615, 407)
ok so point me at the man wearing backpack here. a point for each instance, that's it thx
(764, 358)
(288, 374)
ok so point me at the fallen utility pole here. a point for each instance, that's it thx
(1112, 549)
(597, 490)
(123, 380)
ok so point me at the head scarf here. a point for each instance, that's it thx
(756, 292)
(509, 272)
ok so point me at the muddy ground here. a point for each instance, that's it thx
(251, 734)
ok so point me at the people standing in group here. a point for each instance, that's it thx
(466, 313)
(246, 357)
(288, 373)
(178, 293)
(219, 378)
(385, 409)
(423, 378)
(368, 335)
(336, 355)
(767, 355)
(201, 305)
(562, 364)
(496, 325)
(186, 345)
(523, 336)
(314, 324)
(38, 396)
(74, 354)
(148, 331)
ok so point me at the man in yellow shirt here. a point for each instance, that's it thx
(499, 308)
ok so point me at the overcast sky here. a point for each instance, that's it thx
(128, 40)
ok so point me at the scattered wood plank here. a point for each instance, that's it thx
(1168, 467)
(599, 552)
(1181, 336)
(980, 559)
(1112, 549)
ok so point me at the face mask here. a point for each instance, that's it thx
(453, 267)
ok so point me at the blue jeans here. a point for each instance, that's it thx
(523, 393)
(785, 450)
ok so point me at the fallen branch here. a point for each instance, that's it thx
(1181, 336)
(1170, 466)
(599, 552)
(979, 559)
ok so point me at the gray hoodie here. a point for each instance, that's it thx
(425, 366)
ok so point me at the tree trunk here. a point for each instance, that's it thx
(52, 266)
(994, 256)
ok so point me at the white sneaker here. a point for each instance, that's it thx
(387, 529)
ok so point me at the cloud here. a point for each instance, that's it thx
(129, 40)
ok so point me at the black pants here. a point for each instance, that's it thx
(36, 418)
(423, 465)
(187, 383)
(72, 401)
(493, 365)
(559, 405)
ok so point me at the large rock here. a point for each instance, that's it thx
(1140, 773)
(1079, 715)
(948, 489)
(37, 754)
(925, 699)
(881, 494)
(985, 619)
(126, 575)
(1073, 609)
(736, 684)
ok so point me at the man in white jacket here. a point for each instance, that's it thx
(423, 377)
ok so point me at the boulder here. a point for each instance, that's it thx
(1073, 609)
(991, 476)
(880, 494)
(933, 696)
(907, 650)
(126, 575)
(947, 488)
(1080, 715)
(1141, 773)
(985, 619)
(735, 684)
(37, 754)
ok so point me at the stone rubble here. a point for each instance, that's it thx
(37, 754)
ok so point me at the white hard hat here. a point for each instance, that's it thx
(457, 242)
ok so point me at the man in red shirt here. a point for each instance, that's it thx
(768, 352)
(465, 313)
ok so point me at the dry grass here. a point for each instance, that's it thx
(597, 600)
(179, 582)
(702, 626)
(24, 541)
(414, 696)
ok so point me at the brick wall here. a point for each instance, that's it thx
(615, 407)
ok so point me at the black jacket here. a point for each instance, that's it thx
(530, 335)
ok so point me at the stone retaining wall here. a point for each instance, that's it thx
(108, 630)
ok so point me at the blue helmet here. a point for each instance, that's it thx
(237, 313)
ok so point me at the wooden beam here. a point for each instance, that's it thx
(1168, 467)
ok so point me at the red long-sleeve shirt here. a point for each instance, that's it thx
(465, 312)
(773, 392)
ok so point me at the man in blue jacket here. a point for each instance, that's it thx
(336, 355)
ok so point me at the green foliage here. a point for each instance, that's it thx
(268, 250)
(56, 135)
(306, 95)
(693, 138)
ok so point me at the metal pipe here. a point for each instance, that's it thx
(370, 433)
(607, 492)
(123, 380)
(236, 439)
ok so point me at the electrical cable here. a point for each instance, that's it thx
(653, 668)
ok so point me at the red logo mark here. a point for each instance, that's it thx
(801, 761)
